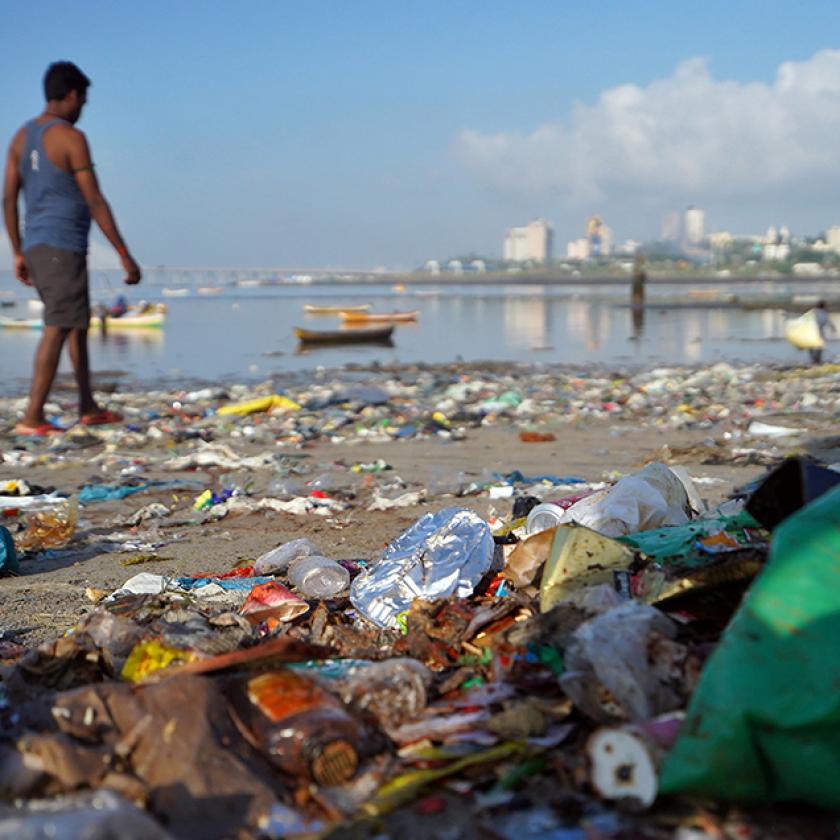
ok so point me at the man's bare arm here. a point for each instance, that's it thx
(12, 184)
(78, 157)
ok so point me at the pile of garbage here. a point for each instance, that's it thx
(579, 668)
(446, 401)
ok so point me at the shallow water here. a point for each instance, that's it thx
(246, 333)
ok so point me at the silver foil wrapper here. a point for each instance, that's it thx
(441, 554)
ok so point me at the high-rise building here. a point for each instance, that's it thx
(671, 226)
(695, 220)
(606, 240)
(533, 242)
(832, 238)
(594, 227)
(578, 249)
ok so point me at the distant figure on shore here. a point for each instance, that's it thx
(637, 296)
(637, 292)
(825, 325)
(50, 162)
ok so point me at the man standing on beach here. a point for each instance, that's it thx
(824, 324)
(49, 160)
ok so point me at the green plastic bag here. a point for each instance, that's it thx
(8, 558)
(677, 542)
(764, 722)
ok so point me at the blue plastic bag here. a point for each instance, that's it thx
(8, 557)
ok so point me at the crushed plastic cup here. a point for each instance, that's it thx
(318, 577)
(280, 558)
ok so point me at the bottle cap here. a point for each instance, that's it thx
(333, 763)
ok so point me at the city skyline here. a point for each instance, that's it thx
(365, 137)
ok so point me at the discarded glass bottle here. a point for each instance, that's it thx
(306, 731)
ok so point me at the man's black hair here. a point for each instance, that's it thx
(62, 77)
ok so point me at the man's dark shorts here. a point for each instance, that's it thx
(61, 280)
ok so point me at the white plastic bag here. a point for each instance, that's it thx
(651, 498)
(630, 652)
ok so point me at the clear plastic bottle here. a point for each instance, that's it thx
(393, 691)
(318, 577)
(48, 528)
(279, 559)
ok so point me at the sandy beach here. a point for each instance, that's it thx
(196, 484)
(49, 595)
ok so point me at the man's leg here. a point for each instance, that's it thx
(46, 364)
(77, 346)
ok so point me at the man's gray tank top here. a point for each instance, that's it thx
(56, 212)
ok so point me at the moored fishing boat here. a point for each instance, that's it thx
(133, 319)
(314, 309)
(379, 317)
(352, 336)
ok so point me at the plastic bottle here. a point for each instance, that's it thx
(318, 577)
(446, 482)
(48, 528)
(653, 497)
(393, 691)
(280, 558)
(548, 514)
(304, 730)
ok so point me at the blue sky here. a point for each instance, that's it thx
(381, 134)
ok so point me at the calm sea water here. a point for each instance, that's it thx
(242, 333)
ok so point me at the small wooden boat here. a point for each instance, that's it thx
(380, 317)
(312, 309)
(180, 291)
(7, 323)
(210, 290)
(353, 336)
(131, 320)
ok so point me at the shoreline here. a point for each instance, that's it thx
(110, 381)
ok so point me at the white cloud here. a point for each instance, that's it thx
(688, 137)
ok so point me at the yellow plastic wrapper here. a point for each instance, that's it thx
(406, 787)
(276, 402)
(153, 655)
(205, 500)
(579, 558)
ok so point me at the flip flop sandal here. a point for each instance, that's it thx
(44, 430)
(101, 418)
